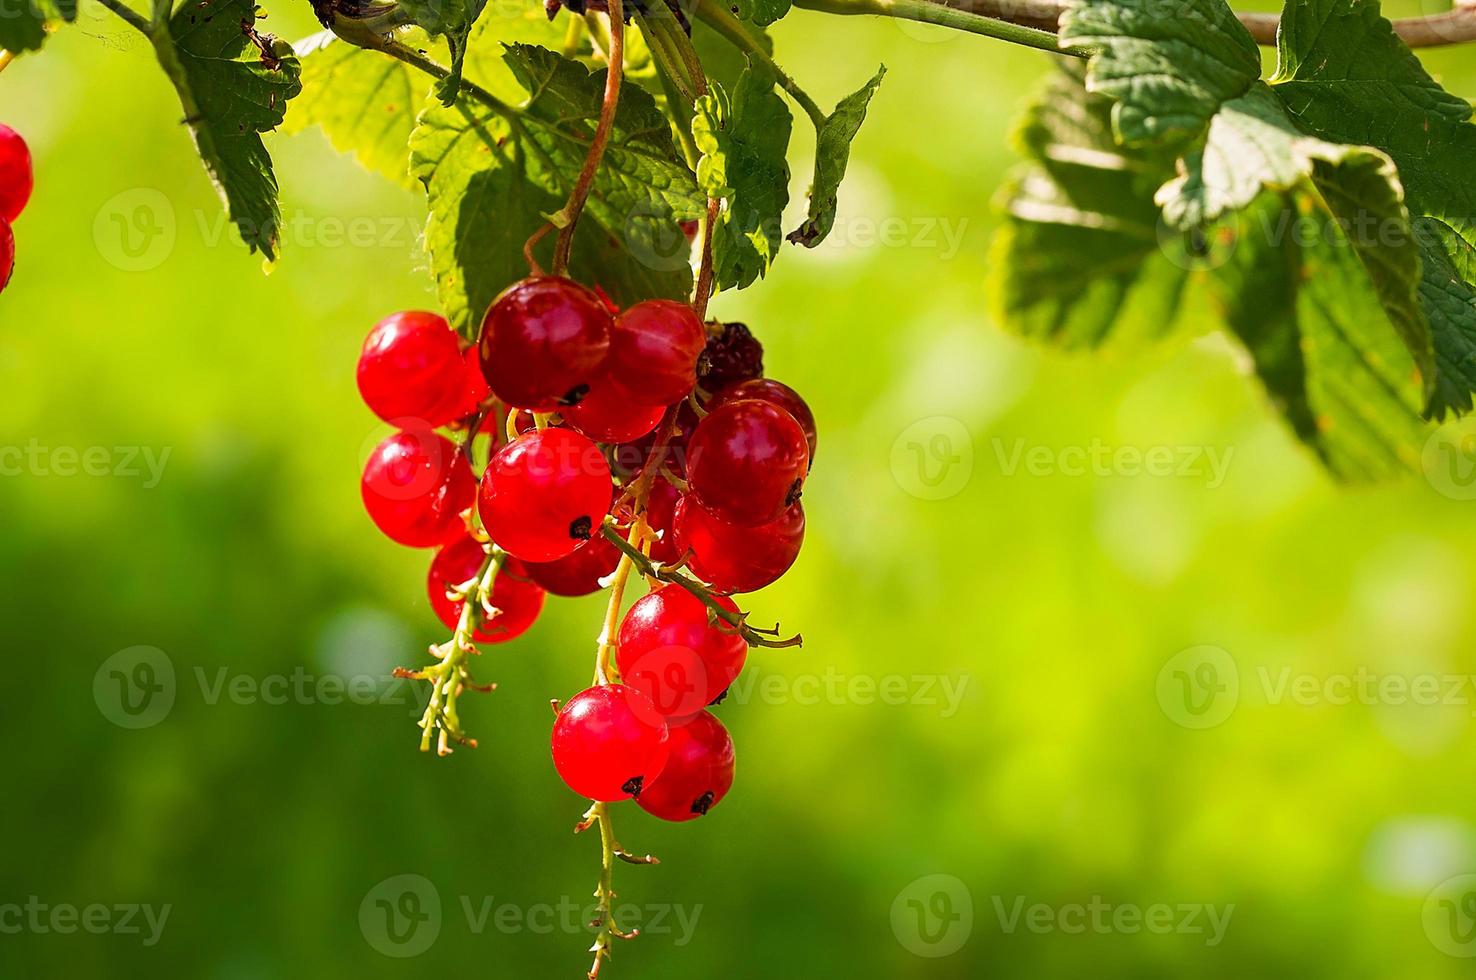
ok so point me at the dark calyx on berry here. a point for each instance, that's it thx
(732, 356)
(796, 491)
(633, 785)
(703, 803)
(580, 527)
(574, 396)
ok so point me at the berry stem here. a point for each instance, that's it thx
(567, 219)
(664, 573)
(128, 15)
(703, 290)
(720, 20)
(6, 58)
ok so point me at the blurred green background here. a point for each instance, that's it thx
(1070, 773)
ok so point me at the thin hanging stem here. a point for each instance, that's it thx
(567, 219)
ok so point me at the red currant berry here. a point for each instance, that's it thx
(7, 253)
(412, 368)
(698, 773)
(545, 493)
(676, 653)
(654, 349)
(747, 462)
(738, 559)
(731, 357)
(608, 743)
(608, 415)
(16, 177)
(416, 486)
(579, 572)
(475, 391)
(517, 600)
(777, 393)
(543, 342)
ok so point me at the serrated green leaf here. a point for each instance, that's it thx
(1343, 378)
(23, 22)
(832, 155)
(232, 92)
(1168, 70)
(491, 176)
(760, 12)
(1449, 299)
(1253, 145)
(1347, 77)
(365, 102)
(1080, 260)
(744, 139)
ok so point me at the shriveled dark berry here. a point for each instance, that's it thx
(732, 356)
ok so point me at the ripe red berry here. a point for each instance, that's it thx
(16, 177)
(7, 253)
(653, 351)
(579, 572)
(608, 743)
(545, 493)
(698, 773)
(731, 357)
(518, 601)
(672, 652)
(475, 391)
(738, 559)
(777, 393)
(608, 415)
(747, 461)
(543, 342)
(416, 486)
(412, 368)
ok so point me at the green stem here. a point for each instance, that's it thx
(719, 19)
(130, 17)
(931, 12)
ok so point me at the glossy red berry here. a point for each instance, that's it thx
(7, 253)
(16, 177)
(653, 351)
(518, 601)
(475, 390)
(579, 572)
(670, 651)
(608, 415)
(416, 486)
(732, 356)
(412, 368)
(738, 559)
(698, 773)
(543, 342)
(747, 461)
(777, 393)
(545, 493)
(608, 743)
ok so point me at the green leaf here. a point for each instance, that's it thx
(744, 139)
(1253, 145)
(23, 22)
(364, 100)
(453, 20)
(234, 85)
(1170, 70)
(491, 175)
(832, 155)
(1079, 259)
(1347, 77)
(760, 12)
(1342, 377)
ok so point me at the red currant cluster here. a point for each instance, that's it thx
(16, 182)
(619, 440)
